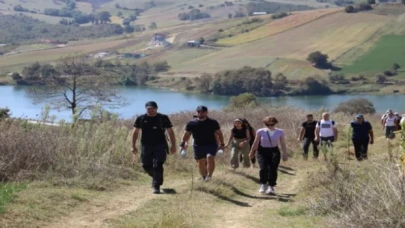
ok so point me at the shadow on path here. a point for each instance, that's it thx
(225, 198)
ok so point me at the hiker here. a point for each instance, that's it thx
(206, 133)
(399, 118)
(154, 142)
(390, 123)
(240, 138)
(267, 143)
(362, 136)
(252, 134)
(326, 131)
(307, 134)
(385, 116)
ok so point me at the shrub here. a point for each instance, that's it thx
(354, 106)
(350, 9)
(279, 15)
(244, 100)
(318, 59)
(161, 66)
(5, 113)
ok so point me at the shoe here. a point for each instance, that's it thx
(263, 188)
(156, 190)
(271, 191)
(208, 178)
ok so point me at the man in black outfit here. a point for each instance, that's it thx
(205, 132)
(154, 142)
(362, 135)
(307, 133)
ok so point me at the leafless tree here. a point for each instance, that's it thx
(78, 86)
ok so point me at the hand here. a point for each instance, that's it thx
(226, 146)
(299, 140)
(285, 157)
(134, 150)
(372, 141)
(222, 147)
(242, 144)
(316, 139)
(251, 155)
(173, 149)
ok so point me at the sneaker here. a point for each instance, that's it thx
(208, 178)
(156, 190)
(263, 188)
(271, 191)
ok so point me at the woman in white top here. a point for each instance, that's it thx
(390, 124)
(268, 155)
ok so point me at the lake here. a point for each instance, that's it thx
(21, 105)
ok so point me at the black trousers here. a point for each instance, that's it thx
(153, 158)
(307, 143)
(268, 159)
(361, 148)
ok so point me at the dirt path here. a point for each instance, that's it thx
(95, 214)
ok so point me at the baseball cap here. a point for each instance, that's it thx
(151, 104)
(202, 108)
(359, 116)
(389, 111)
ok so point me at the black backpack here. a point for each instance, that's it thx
(161, 126)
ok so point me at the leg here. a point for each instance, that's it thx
(264, 168)
(306, 147)
(235, 157)
(147, 160)
(211, 165)
(201, 157)
(246, 160)
(357, 148)
(364, 148)
(315, 148)
(158, 161)
(202, 165)
(275, 161)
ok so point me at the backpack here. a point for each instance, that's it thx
(161, 126)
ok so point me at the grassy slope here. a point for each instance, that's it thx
(233, 195)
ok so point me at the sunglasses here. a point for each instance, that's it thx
(200, 111)
(270, 124)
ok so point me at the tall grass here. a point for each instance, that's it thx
(372, 195)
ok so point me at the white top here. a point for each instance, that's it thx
(390, 122)
(326, 128)
(402, 120)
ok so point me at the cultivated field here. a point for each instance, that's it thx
(278, 26)
(381, 57)
(37, 5)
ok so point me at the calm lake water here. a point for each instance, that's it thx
(21, 104)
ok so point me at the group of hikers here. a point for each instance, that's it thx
(267, 144)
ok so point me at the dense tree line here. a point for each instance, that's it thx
(273, 7)
(194, 14)
(359, 7)
(128, 74)
(23, 29)
(259, 82)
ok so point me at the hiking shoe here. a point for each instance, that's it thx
(156, 190)
(271, 191)
(208, 178)
(263, 188)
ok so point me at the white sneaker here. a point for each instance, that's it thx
(208, 178)
(271, 191)
(263, 188)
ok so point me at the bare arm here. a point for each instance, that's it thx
(317, 130)
(230, 139)
(135, 135)
(255, 145)
(172, 136)
(301, 135)
(248, 135)
(335, 133)
(220, 136)
(371, 136)
(186, 137)
(283, 145)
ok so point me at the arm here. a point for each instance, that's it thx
(335, 132)
(185, 138)
(371, 136)
(172, 139)
(247, 135)
(283, 148)
(301, 134)
(230, 139)
(317, 130)
(221, 137)
(134, 139)
(255, 145)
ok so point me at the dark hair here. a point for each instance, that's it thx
(243, 125)
(310, 115)
(202, 108)
(151, 104)
(269, 119)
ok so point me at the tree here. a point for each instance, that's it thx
(78, 86)
(119, 14)
(371, 2)
(153, 25)
(161, 66)
(381, 79)
(104, 17)
(230, 15)
(244, 100)
(350, 9)
(202, 40)
(355, 106)
(280, 82)
(318, 59)
(395, 67)
(204, 83)
(129, 29)
(4, 113)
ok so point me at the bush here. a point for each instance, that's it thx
(318, 59)
(194, 14)
(5, 113)
(244, 100)
(279, 15)
(161, 66)
(355, 106)
(350, 9)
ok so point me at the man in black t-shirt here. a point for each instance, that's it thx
(205, 132)
(154, 142)
(362, 135)
(307, 133)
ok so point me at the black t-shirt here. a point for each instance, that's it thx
(203, 131)
(239, 133)
(153, 128)
(309, 129)
(361, 131)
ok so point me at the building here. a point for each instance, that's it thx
(259, 13)
(193, 43)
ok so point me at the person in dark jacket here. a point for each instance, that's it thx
(362, 136)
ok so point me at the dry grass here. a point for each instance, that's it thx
(278, 26)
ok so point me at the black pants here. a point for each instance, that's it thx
(307, 143)
(268, 159)
(361, 148)
(153, 158)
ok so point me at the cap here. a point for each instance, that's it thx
(389, 111)
(151, 104)
(202, 108)
(359, 116)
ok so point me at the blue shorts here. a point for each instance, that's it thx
(203, 151)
